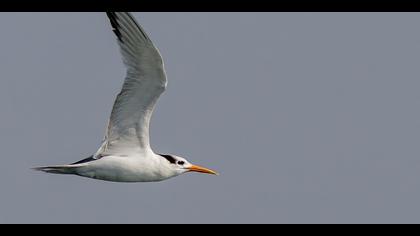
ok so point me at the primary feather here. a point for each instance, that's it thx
(145, 81)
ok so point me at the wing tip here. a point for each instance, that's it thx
(112, 16)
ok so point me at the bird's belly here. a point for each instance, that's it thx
(120, 169)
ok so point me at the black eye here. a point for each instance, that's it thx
(181, 163)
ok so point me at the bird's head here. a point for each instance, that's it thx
(180, 165)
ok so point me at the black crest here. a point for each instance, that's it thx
(170, 158)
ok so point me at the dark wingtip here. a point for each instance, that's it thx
(114, 23)
(89, 159)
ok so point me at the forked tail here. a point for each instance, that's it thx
(63, 169)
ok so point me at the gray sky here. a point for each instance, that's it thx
(309, 117)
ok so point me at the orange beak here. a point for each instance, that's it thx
(200, 169)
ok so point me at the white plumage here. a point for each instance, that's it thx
(125, 154)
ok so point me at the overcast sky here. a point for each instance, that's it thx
(309, 117)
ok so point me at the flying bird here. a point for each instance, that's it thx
(125, 154)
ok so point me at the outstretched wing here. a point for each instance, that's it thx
(128, 128)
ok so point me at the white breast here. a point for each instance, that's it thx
(148, 168)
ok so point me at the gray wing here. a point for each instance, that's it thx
(145, 81)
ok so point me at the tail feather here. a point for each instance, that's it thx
(64, 169)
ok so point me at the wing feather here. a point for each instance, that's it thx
(145, 81)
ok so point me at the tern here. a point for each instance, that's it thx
(125, 154)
